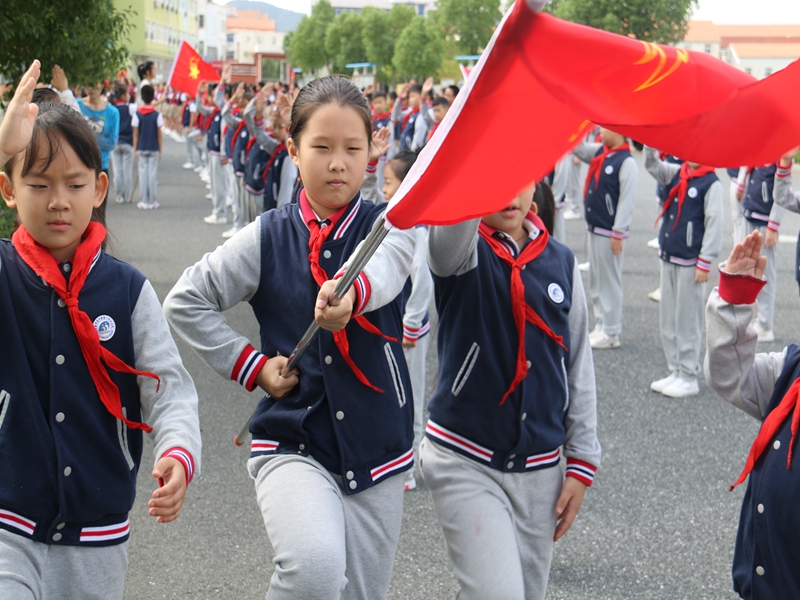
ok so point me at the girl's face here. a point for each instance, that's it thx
(509, 220)
(332, 155)
(55, 204)
(391, 182)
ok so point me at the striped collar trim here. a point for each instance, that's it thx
(341, 220)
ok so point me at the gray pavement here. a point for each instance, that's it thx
(659, 522)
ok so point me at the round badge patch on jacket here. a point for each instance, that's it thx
(105, 327)
(609, 169)
(556, 293)
(692, 192)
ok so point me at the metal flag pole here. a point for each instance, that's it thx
(355, 264)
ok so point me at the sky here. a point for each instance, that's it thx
(765, 12)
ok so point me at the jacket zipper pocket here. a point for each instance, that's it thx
(122, 434)
(764, 192)
(566, 383)
(396, 379)
(689, 234)
(466, 369)
(609, 205)
(5, 399)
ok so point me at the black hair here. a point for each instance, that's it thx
(120, 90)
(45, 96)
(377, 95)
(454, 89)
(143, 68)
(147, 93)
(211, 88)
(392, 95)
(441, 101)
(328, 90)
(639, 146)
(415, 88)
(402, 162)
(546, 205)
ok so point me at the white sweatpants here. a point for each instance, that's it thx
(681, 318)
(766, 297)
(605, 284)
(122, 160)
(498, 526)
(148, 173)
(574, 189)
(34, 571)
(328, 545)
(416, 360)
(559, 227)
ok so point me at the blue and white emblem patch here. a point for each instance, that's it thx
(105, 327)
(556, 293)
(692, 192)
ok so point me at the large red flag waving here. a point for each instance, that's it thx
(565, 77)
(189, 69)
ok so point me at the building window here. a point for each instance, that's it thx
(421, 10)
(201, 21)
(707, 49)
(749, 71)
(767, 71)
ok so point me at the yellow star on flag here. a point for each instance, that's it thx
(194, 69)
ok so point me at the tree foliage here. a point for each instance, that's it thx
(419, 50)
(343, 41)
(87, 38)
(470, 22)
(307, 47)
(661, 21)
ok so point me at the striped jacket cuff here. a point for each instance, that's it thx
(773, 225)
(412, 334)
(372, 167)
(247, 367)
(784, 172)
(619, 235)
(185, 458)
(703, 265)
(739, 289)
(259, 122)
(363, 291)
(581, 470)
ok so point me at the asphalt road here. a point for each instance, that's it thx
(658, 523)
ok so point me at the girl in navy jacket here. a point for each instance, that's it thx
(515, 392)
(88, 365)
(330, 444)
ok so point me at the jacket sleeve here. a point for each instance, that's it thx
(420, 133)
(383, 278)
(421, 287)
(586, 151)
(628, 176)
(227, 115)
(256, 127)
(219, 96)
(204, 110)
(582, 448)
(784, 196)
(453, 250)
(713, 225)
(169, 406)
(369, 187)
(219, 281)
(288, 178)
(662, 171)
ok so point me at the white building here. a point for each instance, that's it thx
(212, 34)
(422, 7)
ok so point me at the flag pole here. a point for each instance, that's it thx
(355, 264)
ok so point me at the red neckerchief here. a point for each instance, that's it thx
(680, 189)
(235, 137)
(433, 130)
(407, 117)
(120, 103)
(46, 266)
(521, 309)
(280, 148)
(751, 169)
(596, 166)
(770, 426)
(379, 116)
(317, 237)
(250, 143)
(147, 109)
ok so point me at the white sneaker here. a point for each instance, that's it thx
(655, 295)
(411, 481)
(209, 197)
(604, 341)
(596, 332)
(188, 165)
(584, 267)
(571, 215)
(181, 139)
(680, 388)
(142, 206)
(764, 335)
(654, 244)
(659, 385)
(229, 232)
(215, 220)
(198, 168)
(120, 200)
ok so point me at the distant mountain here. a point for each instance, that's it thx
(285, 20)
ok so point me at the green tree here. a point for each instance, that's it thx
(307, 44)
(661, 21)
(376, 35)
(419, 50)
(343, 41)
(87, 38)
(470, 22)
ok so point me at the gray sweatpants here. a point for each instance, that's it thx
(240, 211)
(148, 172)
(327, 545)
(605, 284)
(190, 147)
(416, 360)
(736, 213)
(254, 203)
(122, 160)
(766, 297)
(34, 571)
(498, 527)
(219, 187)
(681, 318)
(559, 227)
(574, 189)
(201, 151)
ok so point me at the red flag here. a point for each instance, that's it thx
(464, 71)
(567, 77)
(189, 69)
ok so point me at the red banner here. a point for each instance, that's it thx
(542, 82)
(189, 69)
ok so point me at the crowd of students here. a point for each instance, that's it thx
(301, 176)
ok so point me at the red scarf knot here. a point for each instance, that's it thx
(521, 310)
(595, 166)
(95, 354)
(679, 190)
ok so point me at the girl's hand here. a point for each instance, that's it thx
(239, 92)
(427, 86)
(786, 159)
(271, 381)
(261, 102)
(746, 259)
(168, 499)
(568, 505)
(17, 127)
(333, 316)
(409, 343)
(59, 80)
(616, 246)
(380, 143)
(284, 103)
(771, 238)
(700, 276)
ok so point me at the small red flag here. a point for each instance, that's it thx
(189, 69)
(542, 82)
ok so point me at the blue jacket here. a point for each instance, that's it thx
(682, 244)
(148, 131)
(272, 181)
(257, 159)
(766, 558)
(240, 151)
(125, 127)
(213, 139)
(601, 204)
(758, 200)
